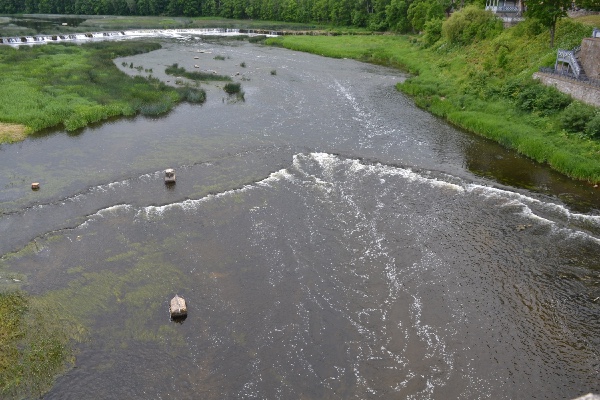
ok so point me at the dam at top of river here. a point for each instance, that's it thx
(130, 34)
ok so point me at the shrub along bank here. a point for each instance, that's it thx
(75, 85)
(478, 77)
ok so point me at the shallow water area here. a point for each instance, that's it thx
(331, 241)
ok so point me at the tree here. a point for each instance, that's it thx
(593, 5)
(417, 14)
(469, 25)
(396, 16)
(548, 12)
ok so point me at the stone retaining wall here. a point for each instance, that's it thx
(577, 90)
(590, 57)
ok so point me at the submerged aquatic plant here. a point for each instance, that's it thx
(175, 69)
(232, 88)
(192, 95)
(36, 345)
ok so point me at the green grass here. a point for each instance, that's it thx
(35, 345)
(71, 86)
(476, 89)
(591, 20)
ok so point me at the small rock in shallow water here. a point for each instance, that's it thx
(178, 308)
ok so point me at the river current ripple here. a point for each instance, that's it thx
(331, 240)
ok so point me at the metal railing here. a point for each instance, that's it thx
(568, 56)
(567, 75)
(500, 9)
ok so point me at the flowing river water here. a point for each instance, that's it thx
(331, 241)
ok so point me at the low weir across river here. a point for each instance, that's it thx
(165, 33)
(81, 37)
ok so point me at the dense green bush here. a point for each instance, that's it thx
(544, 100)
(471, 24)
(433, 31)
(569, 33)
(592, 5)
(592, 128)
(576, 116)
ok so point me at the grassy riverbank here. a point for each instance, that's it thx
(485, 88)
(72, 86)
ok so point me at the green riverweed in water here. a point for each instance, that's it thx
(36, 341)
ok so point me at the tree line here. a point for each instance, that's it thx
(380, 15)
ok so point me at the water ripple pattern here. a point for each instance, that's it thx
(334, 278)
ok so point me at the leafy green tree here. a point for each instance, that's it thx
(31, 6)
(143, 7)
(417, 14)
(192, 9)
(305, 10)
(378, 17)
(226, 9)
(158, 7)
(252, 9)
(85, 7)
(209, 8)
(341, 12)
(266, 10)
(433, 31)
(593, 5)
(397, 16)
(548, 12)
(46, 7)
(289, 10)
(11, 6)
(470, 24)
(321, 11)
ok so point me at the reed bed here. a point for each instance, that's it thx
(197, 76)
(72, 86)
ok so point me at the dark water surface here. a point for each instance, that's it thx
(331, 240)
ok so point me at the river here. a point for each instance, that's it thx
(331, 241)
